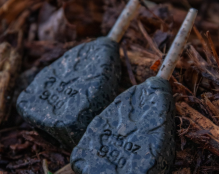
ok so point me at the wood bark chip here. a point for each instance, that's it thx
(10, 61)
(212, 47)
(56, 27)
(145, 4)
(211, 106)
(202, 130)
(149, 40)
(140, 63)
(208, 71)
(18, 7)
(30, 162)
(207, 51)
(183, 171)
(184, 157)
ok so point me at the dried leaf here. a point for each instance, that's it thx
(55, 27)
(155, 65)
(161, 38)
(45, 167)
(65, 170)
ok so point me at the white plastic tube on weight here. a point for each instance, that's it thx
(177, 46)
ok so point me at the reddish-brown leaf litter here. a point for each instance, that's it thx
(34, 33)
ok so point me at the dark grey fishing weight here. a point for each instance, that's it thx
(135, 134)
(65, 96)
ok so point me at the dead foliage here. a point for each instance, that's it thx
(34, 33)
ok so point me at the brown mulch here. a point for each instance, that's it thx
(34, 33)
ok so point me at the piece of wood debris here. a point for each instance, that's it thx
(10, 62)
(65, 170)
(202, 130)
(183, 171)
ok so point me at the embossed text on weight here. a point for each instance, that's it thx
(113, 147)
(53, 96)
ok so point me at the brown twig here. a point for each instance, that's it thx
(129, 67)
(205, 46)
(19, 147)
(10, 61)
(212, 47)
(145, 52)
(8, 129)
(32, 161)
(45, 166)
(143, 3)
(149, 40)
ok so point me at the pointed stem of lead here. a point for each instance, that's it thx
(177, 46)
(124, 20)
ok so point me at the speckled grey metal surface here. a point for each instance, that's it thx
(65, 96)
(133, 135)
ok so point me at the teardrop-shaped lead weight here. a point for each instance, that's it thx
(133, 135)
(69, 93)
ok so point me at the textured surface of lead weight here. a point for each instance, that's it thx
(133, 135)
(65, 96)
